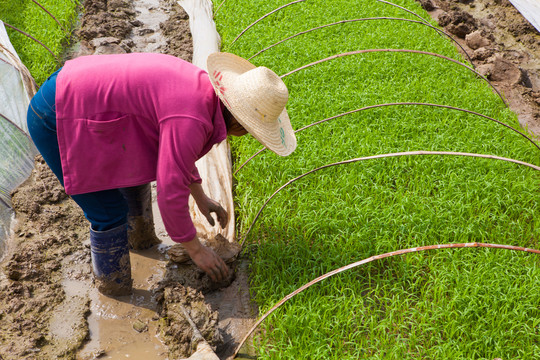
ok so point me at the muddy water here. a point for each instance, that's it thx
(148, 37)
(112, 321)
(48, 304)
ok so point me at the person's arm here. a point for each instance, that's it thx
(181, 141)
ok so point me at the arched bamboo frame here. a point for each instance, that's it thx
(263, 17)
(51, 15)
(396, 50)
(395, 104)
(33, 38)
(381, 156)
(368, 260)
(442, 32)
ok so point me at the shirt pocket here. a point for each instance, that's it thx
(106, 127)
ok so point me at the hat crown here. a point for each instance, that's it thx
(264, 91)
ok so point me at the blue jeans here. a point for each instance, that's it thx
(104, 209)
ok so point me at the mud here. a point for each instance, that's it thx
(38, 320)
(177, 332)
(504, 47)
(49, 303)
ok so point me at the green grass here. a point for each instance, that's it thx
(30, 18)
(450, 304)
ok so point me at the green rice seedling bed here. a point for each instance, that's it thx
(30, 18)
(446, 304)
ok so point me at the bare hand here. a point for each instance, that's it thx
(207, 260)
(209, 206)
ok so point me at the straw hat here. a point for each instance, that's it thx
(256, 97)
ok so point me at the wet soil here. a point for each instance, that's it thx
(504, 47)
(38, 320)
(49, 304)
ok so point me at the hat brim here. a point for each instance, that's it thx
(278, 136)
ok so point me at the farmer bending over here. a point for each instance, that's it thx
(108, 125)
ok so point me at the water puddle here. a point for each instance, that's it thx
(127, 326)
(148, 37)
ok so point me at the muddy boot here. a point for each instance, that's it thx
(110, 261)
(141, 231)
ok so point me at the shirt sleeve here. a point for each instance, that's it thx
(180, 143)
(195, 177)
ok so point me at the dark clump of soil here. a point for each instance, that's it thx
(503, 45)
(106, 18)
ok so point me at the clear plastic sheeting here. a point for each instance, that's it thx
(16, 84)
(215, 167)
(17, 153)
(17, 150)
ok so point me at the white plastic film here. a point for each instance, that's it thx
(215, 167)
(530, 9)
(17, 150)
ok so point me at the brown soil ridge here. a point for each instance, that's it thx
(504, 47)
(50, 228)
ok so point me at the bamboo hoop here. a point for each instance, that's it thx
(370, 259)
(33, 38)
(51, 15)
(396, 50)
(219, 7)
(381, 156)
(367, 19)
(394, 104)
(403, 8)
(264, 16)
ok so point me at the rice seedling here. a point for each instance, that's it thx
(49, 21)
(459, 304)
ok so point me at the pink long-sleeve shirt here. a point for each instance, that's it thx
(129, 119)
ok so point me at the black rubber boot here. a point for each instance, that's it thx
(110, 261)
(141, 231)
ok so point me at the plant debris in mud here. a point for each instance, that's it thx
(176, 329)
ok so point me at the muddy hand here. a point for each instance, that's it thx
(207, 260)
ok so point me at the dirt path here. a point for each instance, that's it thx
(504, 46)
